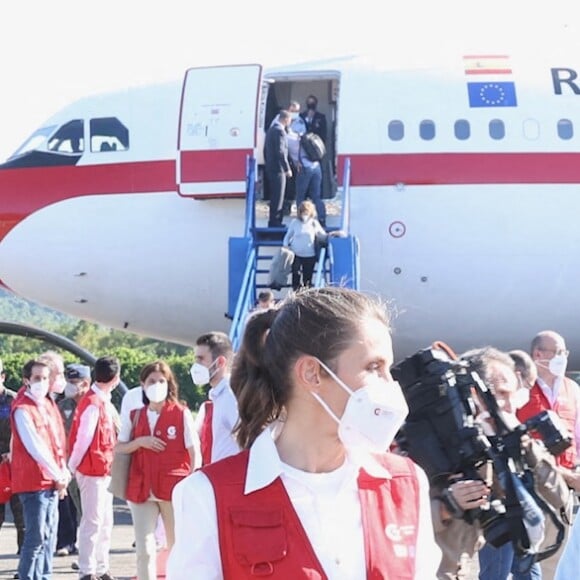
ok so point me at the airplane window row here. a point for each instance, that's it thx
(462, 129)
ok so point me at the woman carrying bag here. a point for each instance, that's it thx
(302, 236)
(165, 448)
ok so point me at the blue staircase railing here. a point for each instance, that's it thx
(338, 262)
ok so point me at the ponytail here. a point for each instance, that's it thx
(259, 401)
(320, 322)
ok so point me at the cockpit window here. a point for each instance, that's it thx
(108, 134)
(36, 141)
(69, 138)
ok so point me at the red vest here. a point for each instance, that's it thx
(206, 435)
(260, 534)
(99, 456)
(565, 408)
(159, 472)
(27, 475)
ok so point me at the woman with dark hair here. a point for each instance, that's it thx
(313, 494)
(162, 438)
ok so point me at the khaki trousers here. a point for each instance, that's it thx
(145, 516)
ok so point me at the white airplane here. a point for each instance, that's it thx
(463, 192)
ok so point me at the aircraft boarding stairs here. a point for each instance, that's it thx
(250, 256)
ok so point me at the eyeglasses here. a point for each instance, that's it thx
(560, 351)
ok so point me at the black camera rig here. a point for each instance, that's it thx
(444, 437)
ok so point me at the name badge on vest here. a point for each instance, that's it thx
(171, 432)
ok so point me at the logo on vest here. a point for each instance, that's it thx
(171, 432)
(399, 534)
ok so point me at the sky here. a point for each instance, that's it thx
(52, 53)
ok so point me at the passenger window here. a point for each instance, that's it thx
(108, 134)
(396, 130)
(462, 129)
(496, 129)
(531, 129)
(69, 138)
(565, 129)
(427, 130)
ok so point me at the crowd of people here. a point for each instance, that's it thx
(291, 467)
(292, 172)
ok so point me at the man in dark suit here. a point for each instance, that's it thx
(277, 166)
(315, 120)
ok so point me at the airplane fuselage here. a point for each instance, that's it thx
(463, 194)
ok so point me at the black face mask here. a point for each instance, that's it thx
(311, 106)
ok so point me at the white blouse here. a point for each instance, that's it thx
(327, 505)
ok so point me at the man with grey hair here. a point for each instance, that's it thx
(554, 391)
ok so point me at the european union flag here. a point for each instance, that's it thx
(492, 94)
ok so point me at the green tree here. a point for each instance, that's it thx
(133, 351)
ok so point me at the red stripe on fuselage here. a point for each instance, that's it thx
(214, 166)
(461, 168)
(26, 190)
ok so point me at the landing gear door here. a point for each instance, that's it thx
(217, 130)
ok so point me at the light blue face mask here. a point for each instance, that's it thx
(373, 414)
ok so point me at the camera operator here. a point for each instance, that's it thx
(498, 372)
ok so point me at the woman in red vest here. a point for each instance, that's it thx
(313, 494)
(162, 439)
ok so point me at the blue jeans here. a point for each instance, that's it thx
(497, 563)
(309, 184)
(40, 522)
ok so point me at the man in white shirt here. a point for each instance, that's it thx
(92, 441)
(554, 391)
(218, 416)
(39, 473)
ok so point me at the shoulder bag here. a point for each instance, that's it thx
(120, 467)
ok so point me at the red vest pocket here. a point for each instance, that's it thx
(259, 538)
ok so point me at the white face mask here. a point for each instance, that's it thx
(71, 390)
(39, 390)
(557, 365)
(157, 392)
(200, 374)
(59, 385)
(373, 414)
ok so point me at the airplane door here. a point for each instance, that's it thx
(217, 130)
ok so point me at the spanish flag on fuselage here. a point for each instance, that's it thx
(487, 64)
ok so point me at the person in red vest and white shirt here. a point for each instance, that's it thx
(39, 472)
(554, 391)
(314, 494)
(91, 442)
(163, 444)
(218, 416)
